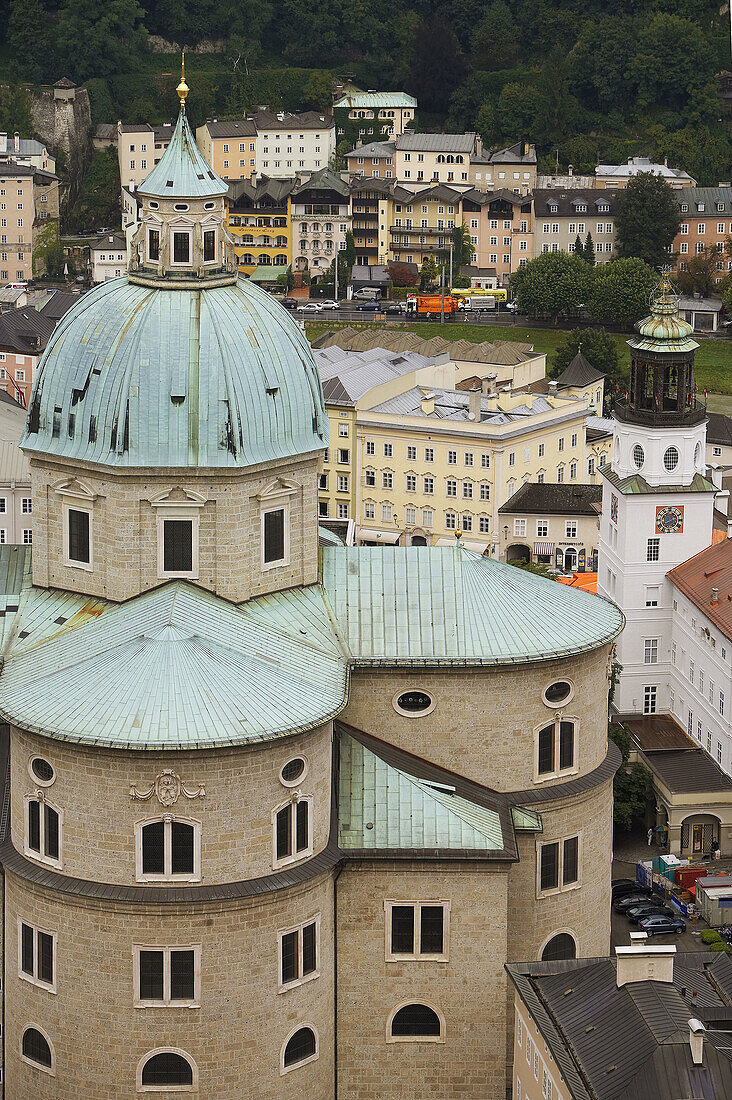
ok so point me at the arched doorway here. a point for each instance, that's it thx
(419, 540)
(698, 831)
(561, 946)
(570, 559)
(518, 552)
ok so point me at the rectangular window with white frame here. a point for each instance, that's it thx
(558, 865)
(417, 930)
(43, 831)
(168, 849)
(292, 831)
(650, 651)
(650, 696)
(519, 528)
(167, 977)
(37, 955)
(298, 954)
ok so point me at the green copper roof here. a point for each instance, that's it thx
(664, 330)
(174, 668)
(427, 605)
(150, 376)
(182, 172)
(635, 485)
(384, 807)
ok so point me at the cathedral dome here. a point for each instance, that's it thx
(179, 363)
(146, 375)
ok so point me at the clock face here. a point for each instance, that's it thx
(669, 520)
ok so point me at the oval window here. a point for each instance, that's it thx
(414, 703)
(209, 205)
(153, 205)
(557, 693)
(42, 770)
(671, 458)
(293, 770)
(180, 206)
(638, 455)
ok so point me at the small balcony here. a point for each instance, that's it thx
(670, 416)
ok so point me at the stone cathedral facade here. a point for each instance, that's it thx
(277, 810)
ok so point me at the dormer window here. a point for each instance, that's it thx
(701, 207)
(684, 207)
(581, 207)
(553, 208)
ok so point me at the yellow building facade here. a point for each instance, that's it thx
(258, 219)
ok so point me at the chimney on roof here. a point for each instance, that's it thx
(696, 1041)
(526, 149)
(644, 963)
(553, 387)
(3, 143)
(488, 384)
(474, 398)
(715, 597)
(16, 141)
(570, 169)
(428, 402)
(253, 177)
(665, 162)
(630, 160)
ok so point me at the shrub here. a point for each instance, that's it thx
(710, 936)
(719, 947)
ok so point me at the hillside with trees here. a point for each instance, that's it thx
(584, 79)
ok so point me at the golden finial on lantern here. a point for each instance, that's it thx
(182, 88)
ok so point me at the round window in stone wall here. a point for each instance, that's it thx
(42, 771)
(558, 693)
(638, 455)
(413, 703)
(670, 458)
(293, 771)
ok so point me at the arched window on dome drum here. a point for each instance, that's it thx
(416, 1021)
(299, 1047)
(556, 748)
(561, 946)
(167, 1068)
(168, 850)
(36, 1048)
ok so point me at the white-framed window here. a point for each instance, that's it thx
(519, 528)
(168, 849)
(26, 505)
(540, 450)
(387, 480)
(468, 458)
(299, 1048)
(556, 748)
(369, 510)
(298, 954)
(37, 1049)
(166, 976)
(558, 865)
(467, 490)
(428, 484)
(181, 247)
(370, 447)
(167, 1069)
(342, 510)
(485, 491)
(485, 461)
(43, 831)
(27, 536)
(343, 483)
(428, 517)
(37, 955)
(653, 549)
(429, 454)
(292, 830)
(388, 450)
(721, 703)
(650, 651)
(410, 516)
(387, 513)
(650, 693)
(77, 535)
(411, 483)
(343, 430)
(571, 529)
(542, 528)
(653, 593)
(417, 930)
(412, 1022)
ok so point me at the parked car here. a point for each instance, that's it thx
(650, 909)
(396, 307)
(369, 307)
(623, 904)
(310, 307)
(330, 303)
(622, 886)
(662, 926)
(290, 303)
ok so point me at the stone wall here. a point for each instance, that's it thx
(484, 723)
(92, 789)
(65, 125)
(236, 1035)
(124, 526)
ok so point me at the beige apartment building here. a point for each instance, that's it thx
(229, 147)
(29, 204)
(27, 151)
(513, 168)
(560, 215)
(375, 160)
(139, 148)
(554, 524)
(421, 159)
(501, 226)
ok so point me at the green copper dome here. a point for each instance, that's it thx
(140, 375)
(664, 329)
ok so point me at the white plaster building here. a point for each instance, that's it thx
(289, 144)
(108, 257)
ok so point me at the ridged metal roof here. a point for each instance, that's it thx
(376, 100)
(182, 172)
(415, 605)
(174, 668)
(151, 376)
(384, 807)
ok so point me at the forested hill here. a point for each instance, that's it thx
(584, 79)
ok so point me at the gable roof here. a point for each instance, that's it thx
(229, 128)
(25, 330)
(520, 153)
(436, 143)
(554, 499)
(373, 149)
(711, 568)
(719, 429)
(305, 120)
(578, 373)
(323, 180)
(266, 187)
(568, 199)
(59, 302)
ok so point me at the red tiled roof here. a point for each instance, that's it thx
(710, 568)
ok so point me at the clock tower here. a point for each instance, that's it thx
(657, 502)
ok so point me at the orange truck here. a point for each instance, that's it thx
(430, 305)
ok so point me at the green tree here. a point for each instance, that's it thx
(463, 249)
(495, 39)
(348, 259)
(670, 58)
(550, 284)
(28, 40)
(647, 219)
(318, 90)
(622, 291)
(516, 110)
(438, 64)
(598, 347)
(534, 567)
(287, 279)
(428, 272)
(97, 200)
(631, 786)
(559, 111)
(589, 251)
(701, 274)
(485, 122)
(48, 254)
(15, 111)
(96, 37)
(579, 248)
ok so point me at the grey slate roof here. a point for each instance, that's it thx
(436, 143)
(554, 499)
(346, 376)
(304, 120)
(631, 1042)
(568, 199)
(719, 429)
(455, 405)
(373, 149)
(243, 193)
(691, 197)
(58, 304)
(579, 373)
(230, 129)
(25, 330)
(688, 771)
(323, 180)
(514, 154)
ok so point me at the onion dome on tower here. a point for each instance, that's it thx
(179, 363)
